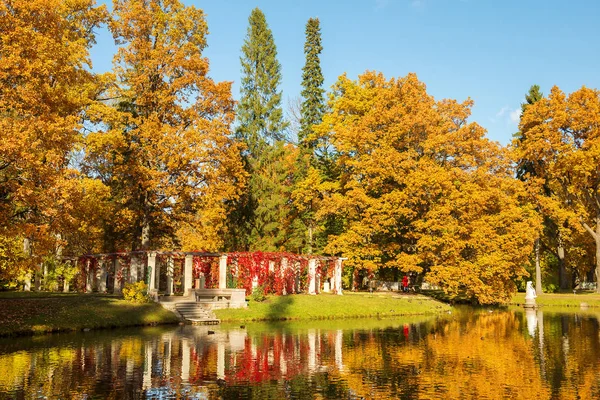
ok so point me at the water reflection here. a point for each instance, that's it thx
(484, 354)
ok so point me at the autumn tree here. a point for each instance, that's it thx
(45, 87)
(524, 170)
(562, 139)
(164, 148)
(423, 190)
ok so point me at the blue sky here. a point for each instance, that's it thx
(489, 50)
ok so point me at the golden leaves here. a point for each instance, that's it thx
(423, 190)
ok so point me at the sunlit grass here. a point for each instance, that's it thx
(44, 312)
(328, 306)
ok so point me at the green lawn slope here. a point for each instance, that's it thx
(329, 306)
(23, 313)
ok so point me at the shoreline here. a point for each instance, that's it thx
(41, 313)
(25, 314)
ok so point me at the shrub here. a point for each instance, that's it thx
(258, 294)
(136, 292)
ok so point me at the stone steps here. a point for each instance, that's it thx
(195, 313)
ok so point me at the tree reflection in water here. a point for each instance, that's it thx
(469, 354)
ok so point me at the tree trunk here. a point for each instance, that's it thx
(310, 238)
(538, 268)
(563, 282)
(596, 235)
(146, 233)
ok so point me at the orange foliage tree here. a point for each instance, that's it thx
(423, 190)
(562, 140)
(164, 147)
(45, 87)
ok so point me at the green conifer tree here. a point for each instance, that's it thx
(313, 104)
(260, 116)
(263, 218)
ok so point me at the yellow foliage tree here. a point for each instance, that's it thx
(45, 86)
(165, 148)
(562, 139)
(423, 190)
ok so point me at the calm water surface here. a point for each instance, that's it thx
(480, 354)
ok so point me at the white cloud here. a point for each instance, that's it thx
(507, 114)
(502, 111)
(515, 116)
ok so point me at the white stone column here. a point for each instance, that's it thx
(317, 277)
(118, 271)
(88, 277)
(102, 279)
(187, 274)
(337, 276)
(312, 271)
(223, 271)
(170, 268)
(27, 283)
(134, 268)
(282, 270)
(153, 285)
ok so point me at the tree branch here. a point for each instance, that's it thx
(587, 228)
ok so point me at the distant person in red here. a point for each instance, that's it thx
(405, 284)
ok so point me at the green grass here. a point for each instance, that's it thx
(592, 299)
(329, 306)
(31, 313)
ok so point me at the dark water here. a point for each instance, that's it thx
(476, 354)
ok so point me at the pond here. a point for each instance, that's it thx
(471, 353)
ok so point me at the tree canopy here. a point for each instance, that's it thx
(156, 154)
(423, 190)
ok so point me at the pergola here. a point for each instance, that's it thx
(112, 270)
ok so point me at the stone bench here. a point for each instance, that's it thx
(232, 298)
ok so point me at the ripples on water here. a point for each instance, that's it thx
(480, 354)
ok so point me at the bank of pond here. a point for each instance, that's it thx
(33, 313)
(24, 313)
(468, 353)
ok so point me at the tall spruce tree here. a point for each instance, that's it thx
(262, 220)
(260, 115)
(313, 104)
(525, 166)
(311, 114)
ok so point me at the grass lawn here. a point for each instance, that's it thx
(330, 306)
(562, 299)
(23, 313)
